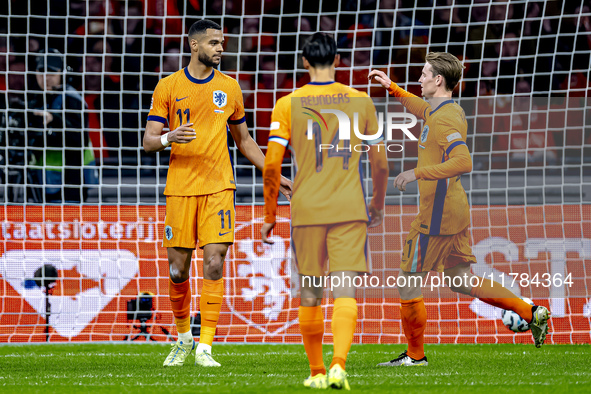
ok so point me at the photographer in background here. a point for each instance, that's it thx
(59, 129)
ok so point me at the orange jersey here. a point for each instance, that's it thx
(204, 165)
(443, 204)
(328, 186)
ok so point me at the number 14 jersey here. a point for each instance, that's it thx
(328, 186)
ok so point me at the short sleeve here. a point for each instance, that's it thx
(281, 122)
(159, 105)
(238, 116)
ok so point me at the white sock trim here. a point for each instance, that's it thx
(201, 347)
(186, 337)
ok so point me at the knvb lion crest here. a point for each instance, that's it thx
(220, 98)
(260, 294)
(87, 281)
(424, 134)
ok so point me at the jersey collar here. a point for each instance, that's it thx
(450, 101)
(195, 80)
(321, 83)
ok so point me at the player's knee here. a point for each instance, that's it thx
(178, 272)
(409, 293)
(310, 301)
(409, 286)
(461, 289)
(459, 278)
(214, 267)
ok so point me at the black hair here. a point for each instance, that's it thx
(320, 50)
(200, 27)
(52, 61)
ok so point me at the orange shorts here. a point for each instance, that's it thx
(342, 245)
(205, 219)
(423, 253)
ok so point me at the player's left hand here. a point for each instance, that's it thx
(404, 178)
(375, 216)
(285, 187)
(266, 232)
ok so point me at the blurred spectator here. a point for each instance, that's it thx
(96, 12)
(577, 82)
(451, 16)
(172, 60)
(66, 154)
(14, 158)
(513, 47)
(355, 64)
(250, 28)
(328, 23)
(250, 42)
(398, 28)
(271, 86)
(508, 63)
(100, 85)
(306, 25)
(3, 62)
(530, 140)
(486, 87)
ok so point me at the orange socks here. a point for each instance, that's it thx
(344, 320)
(210, 305)
(414, 321)
(180, 301)
(312, 329)
(495, 294)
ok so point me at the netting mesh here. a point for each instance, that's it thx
(81, 195)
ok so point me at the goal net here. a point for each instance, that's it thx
(82, 213)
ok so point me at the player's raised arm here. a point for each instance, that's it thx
(416, 105)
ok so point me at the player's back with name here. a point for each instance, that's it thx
(328, 186)
(325, 99)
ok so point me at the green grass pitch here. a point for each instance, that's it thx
(137, 368)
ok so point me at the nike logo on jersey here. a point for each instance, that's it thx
(212, 303)
(222, 234)
(179, 99)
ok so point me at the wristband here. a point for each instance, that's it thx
(164, 140)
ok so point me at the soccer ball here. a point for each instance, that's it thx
(513, 321)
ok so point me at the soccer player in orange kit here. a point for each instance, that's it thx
(199, 103)
(328, 209)
(439, 239)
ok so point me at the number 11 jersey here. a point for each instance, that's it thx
(203, 166)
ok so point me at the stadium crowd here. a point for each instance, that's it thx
(117, 51)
